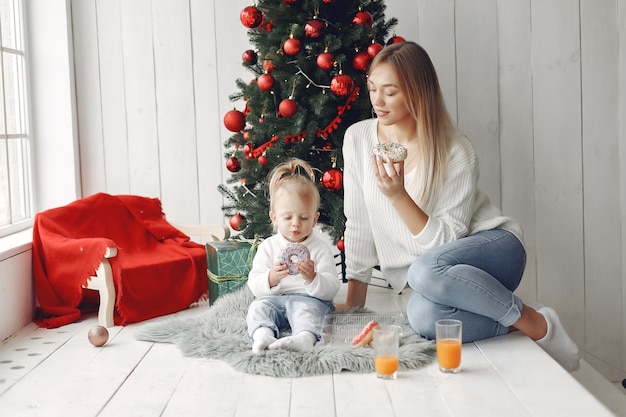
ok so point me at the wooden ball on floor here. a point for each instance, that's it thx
(98, 335)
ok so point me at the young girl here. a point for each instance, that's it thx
(425, 222)
(289, 292)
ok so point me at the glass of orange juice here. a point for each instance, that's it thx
(448, 334)
(386, 351)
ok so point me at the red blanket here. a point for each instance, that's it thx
(157, 270)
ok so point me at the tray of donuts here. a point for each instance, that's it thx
(356, 329)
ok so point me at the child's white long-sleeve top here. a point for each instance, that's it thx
(325, 285)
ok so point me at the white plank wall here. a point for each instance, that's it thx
(601, 165)
(516, 126)
(558, 162)
(537, 85)
(622, 164)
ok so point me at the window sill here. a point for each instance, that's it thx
(15, 243)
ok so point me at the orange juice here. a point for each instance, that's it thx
(386, 364)
(449, 353)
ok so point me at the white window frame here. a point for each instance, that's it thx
(16, 183)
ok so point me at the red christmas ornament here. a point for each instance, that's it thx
(364, 18)
(292, 46)
(287, 108)
(314, 28)
(361, 61)
(268, 66)
(251, 17)
(234, 120)
(262, 160)
(247, 150)
(395, 39)
(249, 57)
(328, 1)
(341, 85)
(237, 222)
(246, 135)
(332, 179)
(374, 49)
(233, 164)
(290, 2)
(325, 61)
(341, 245)
(265, 82)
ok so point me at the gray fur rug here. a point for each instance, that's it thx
(219, 332)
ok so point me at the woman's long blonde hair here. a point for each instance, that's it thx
(296, 177)
(417, 79)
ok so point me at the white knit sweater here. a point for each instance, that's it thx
(325, 285)
(376, 235)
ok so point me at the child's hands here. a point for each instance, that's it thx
(307, 269)
(277, 273)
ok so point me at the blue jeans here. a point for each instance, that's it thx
(280, 312)
(472, 280)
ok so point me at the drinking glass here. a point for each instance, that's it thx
(448, 334)
(386, 351)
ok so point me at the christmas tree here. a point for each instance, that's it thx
(309, 65)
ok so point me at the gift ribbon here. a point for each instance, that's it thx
(254, 244)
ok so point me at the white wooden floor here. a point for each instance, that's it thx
(58, 373)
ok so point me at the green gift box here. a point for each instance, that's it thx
(228, 265)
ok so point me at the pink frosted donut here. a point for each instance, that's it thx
(390, 151)
(292, 253)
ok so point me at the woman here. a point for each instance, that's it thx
(424, 221)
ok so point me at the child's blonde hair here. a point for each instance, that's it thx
(295, 177)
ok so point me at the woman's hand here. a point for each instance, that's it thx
(357, 293)
(389, 177)
(390, 181)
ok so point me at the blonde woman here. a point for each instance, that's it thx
(293, 275)
(425, 222)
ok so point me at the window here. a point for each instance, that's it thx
(15, 155)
